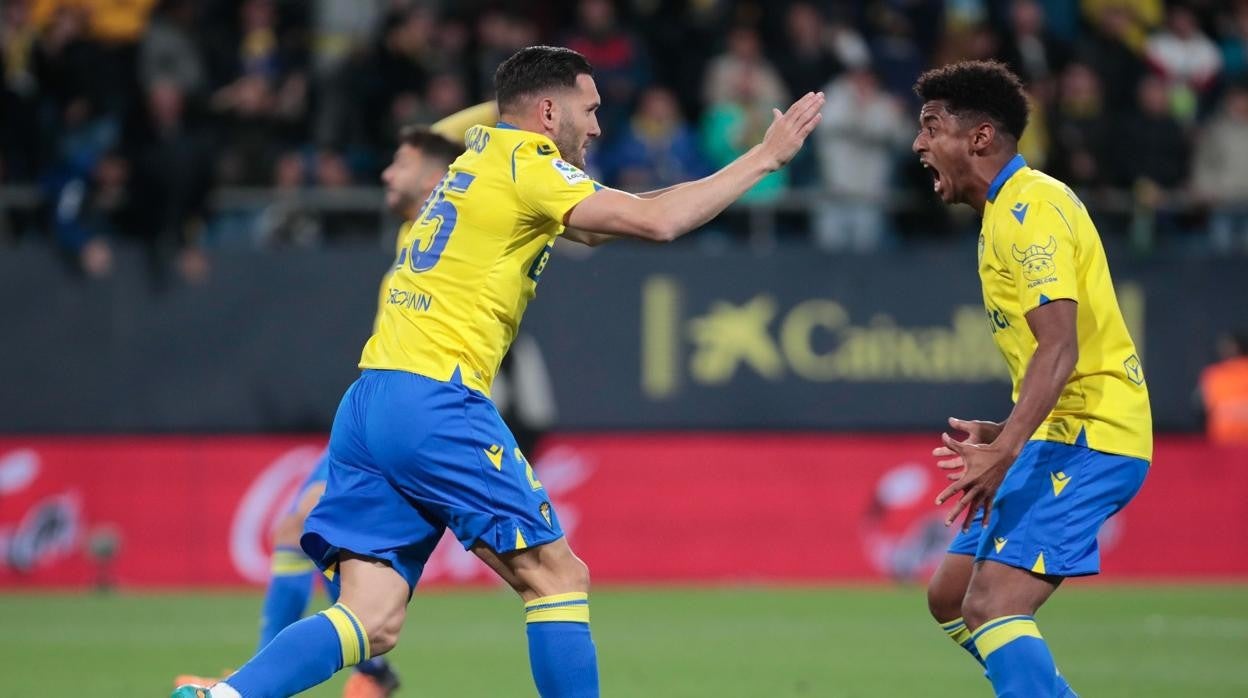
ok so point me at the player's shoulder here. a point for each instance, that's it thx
(1039, 195)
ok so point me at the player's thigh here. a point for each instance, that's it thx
(544, 570)
(377, 595)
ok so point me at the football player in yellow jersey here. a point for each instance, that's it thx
(417, 446)
(420, 159)
(1037, 487)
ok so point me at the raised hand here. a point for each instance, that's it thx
(788, 131)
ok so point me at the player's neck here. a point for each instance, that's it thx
(984, 171)
(522, 123)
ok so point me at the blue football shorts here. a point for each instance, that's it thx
(409, 457)
(1050, 507)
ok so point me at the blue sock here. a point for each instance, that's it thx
(1018, 659)
(290, 587)
(303, 655)
(561, 651)
(958, 632)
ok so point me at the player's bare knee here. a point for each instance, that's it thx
(977, 609)
(944, 603)
(383, 636)
(567, 574)
(287, 530)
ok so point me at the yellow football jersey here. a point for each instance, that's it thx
(1037, 245)
(470, 262)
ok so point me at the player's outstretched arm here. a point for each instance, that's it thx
(680, 209)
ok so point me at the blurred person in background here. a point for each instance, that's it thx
(742, 72)
(171, 160)
(1152, 153)
(896, 51)
(1232, 24)
(418, 165)
(1224, 391)
(1029, 48)
(1082, 131)
(1186, 59)
(858, 142)
(743, 89)
(807, 61)
(657, 149)
(1220, 171)
(170, 51)
(1113, 48)
(621, 63)
(1036, 488)
(19, 94)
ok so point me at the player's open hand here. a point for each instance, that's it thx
(984, 469)
(977, 431)
(788, 131)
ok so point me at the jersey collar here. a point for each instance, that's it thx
(1014, 165)
(504, 124)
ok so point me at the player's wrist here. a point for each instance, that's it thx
(764, 158)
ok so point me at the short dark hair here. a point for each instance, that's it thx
(536, 68)
(430, 144)
(980, 89)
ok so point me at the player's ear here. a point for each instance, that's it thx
(547, 112)
(982, 136)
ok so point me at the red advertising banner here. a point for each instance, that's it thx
(720, 508)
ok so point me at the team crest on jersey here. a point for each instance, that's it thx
(544, 510)
(1037, 262)
(570, 173)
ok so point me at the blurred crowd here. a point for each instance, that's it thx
(127, 116)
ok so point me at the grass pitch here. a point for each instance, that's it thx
(1110, 642)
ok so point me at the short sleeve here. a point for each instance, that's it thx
(548, 184)
(1042, 253)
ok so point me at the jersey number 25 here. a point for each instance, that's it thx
(441, 215)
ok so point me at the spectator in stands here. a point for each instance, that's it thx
(806, 60)
(739, 115)
(1224, 392)
(621, 65)
(742, 72)
(1186, 59)
(1152, 147)
(1082, 131)
(1233, 42)
(657, 149)
(896, 54)
(263, 107)
(19, 94)
(1113, 49)
(862, 132)
(172, 175)
(499, 35)
(169, 51)
(1029, 48)
(1220, 171)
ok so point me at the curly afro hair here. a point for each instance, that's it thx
(978, 89)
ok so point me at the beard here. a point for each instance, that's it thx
(569, 144)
